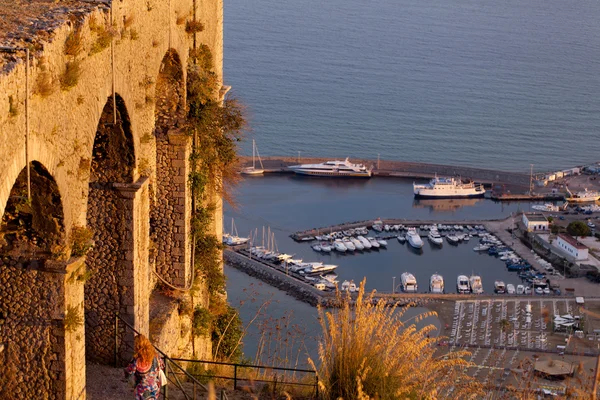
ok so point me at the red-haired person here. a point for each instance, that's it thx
(146, 366)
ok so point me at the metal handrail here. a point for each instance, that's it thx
(235, 377)
(166, 359)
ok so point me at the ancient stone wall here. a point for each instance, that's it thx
(123, 45)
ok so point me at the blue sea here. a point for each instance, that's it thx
(500, 84)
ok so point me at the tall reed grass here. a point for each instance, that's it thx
(368, 352)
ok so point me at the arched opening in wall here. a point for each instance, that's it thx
(109, 282)
(168, 206)
(32, 252)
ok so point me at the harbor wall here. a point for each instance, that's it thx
(405, 169)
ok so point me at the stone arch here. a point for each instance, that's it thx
(108, 217)
(32, 267)
(169, 215)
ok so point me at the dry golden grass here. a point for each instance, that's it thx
(194, 27)
(366, 351)
(43, 84)
(74, 43)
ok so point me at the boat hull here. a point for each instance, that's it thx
(252, 171)
(420, 195)
(332, 174)
(583, 199)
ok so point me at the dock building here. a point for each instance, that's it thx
(535, 222)
(572, 247)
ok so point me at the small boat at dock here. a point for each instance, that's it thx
(340, 246)
(349, 245)
(462, 284)
(436, 284)
(409, 282)
(452, 239)
(374, 243)
(382, 242)
(401, 239)
(435, 238)
(476, 284)
(253, 170)
(364, 241)
(499, 287)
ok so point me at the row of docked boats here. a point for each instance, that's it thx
(350, 243)
(464, 284)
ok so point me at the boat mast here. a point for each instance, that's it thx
(253, 154)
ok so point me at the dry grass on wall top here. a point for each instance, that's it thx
(367, 352)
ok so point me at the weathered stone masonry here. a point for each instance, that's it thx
(65, 126)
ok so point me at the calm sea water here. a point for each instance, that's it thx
(500, 84)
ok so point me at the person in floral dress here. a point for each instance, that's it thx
(146, 366)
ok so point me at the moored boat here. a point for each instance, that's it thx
(476, 284)
(409, 282)
(440, 188)
(436, 284)
(499, 287)
(435, 238)
(413, 238)
(462, 284)
(333, 169)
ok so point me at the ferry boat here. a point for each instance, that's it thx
(583, 197)
(333, 169)
(462, 284)
(499, 287)
(414, 239)
(445, 188)
(476, 285)
(436, 284)
(409, 282)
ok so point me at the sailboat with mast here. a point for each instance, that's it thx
(233, 239)
(253, 170)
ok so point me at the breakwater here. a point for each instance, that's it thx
(403, 169)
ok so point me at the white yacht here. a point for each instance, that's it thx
(318, 269)
(382, 242)
(253, 170)
(413, 238)
(333, 169)
(510, 288)
(434, 237)
(440, 188)
(348, 243)
(499, 287)
(462, 284)
(357, 243)
(583, 197)
(326, 247)
(436, 284)
(452, 239)
(409, 282)
(340, 246)
(374, 243)
(348, 286)
(476, 285)
(366, 243)
(520, 289)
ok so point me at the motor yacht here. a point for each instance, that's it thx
(382, 242)
(499, 287)
(520, 289)
(462, 284)
(348, 243)
(510, 288)
(409, 282)
(334, 168)
(583, 197)
(340, 246)
(435, 238)
(436, 284)
(413, 238)
(374, 243)
(452, 239)
(326, 247)
(476, 285)
(357, 243)
(364, 241)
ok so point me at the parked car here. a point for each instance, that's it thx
(561, 218)
(557, 292)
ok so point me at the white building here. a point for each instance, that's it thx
(572, 247)
(535, 222)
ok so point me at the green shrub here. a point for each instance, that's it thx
(201, 321)
(81, 241)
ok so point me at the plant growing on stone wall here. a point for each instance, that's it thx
(133, 34)
(104, 36)
(128, 21)
(73, 319)
(201, 322)
(74, 43)
(70, 76)
(81, 240)
(192, 27)
(13, 109)
(43, 84)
